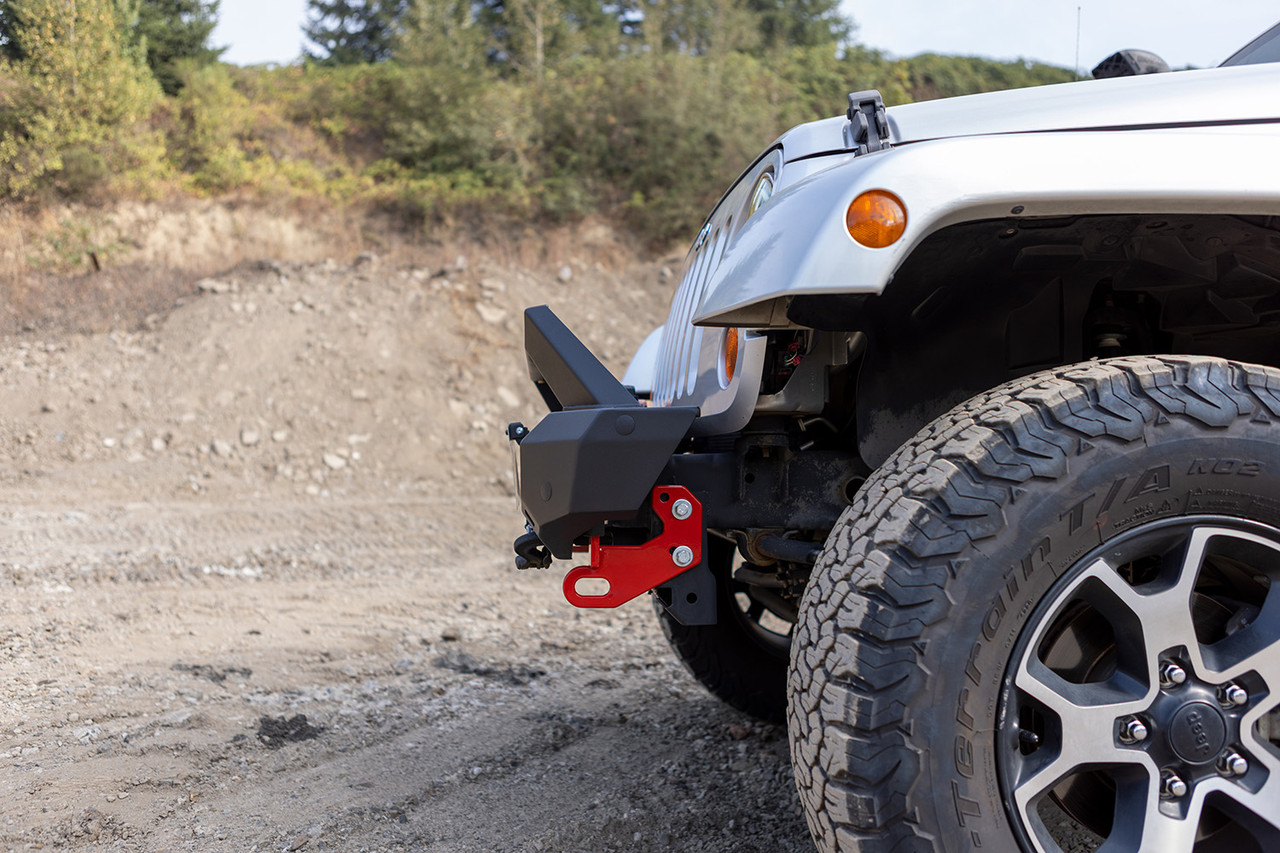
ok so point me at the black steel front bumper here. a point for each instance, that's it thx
(598, 454)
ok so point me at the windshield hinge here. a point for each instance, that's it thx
(868, 125)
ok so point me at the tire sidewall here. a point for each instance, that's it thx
(1179, 468)
(727, 657)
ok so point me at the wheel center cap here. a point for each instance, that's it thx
(1197, 732)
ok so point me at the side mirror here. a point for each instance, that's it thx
(1127, 63)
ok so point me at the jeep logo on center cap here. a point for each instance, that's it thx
(1198, 733)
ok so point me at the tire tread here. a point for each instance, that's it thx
(884, 573)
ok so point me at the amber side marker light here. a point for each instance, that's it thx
(876, 219)
(730, 355)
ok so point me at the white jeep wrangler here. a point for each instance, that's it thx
(960, 452)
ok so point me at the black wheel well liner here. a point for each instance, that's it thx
(980, 303)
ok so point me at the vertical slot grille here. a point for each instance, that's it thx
(677, 371)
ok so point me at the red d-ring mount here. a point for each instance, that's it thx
(633, 569)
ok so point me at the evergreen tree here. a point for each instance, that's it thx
(10, 16)
(801, 23)
(696, 27)
(353, 32)
(175, 32)
(528, 37)
(450, 113)
(444, 34)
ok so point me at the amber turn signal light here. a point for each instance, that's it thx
(729, 355)
(876, 219)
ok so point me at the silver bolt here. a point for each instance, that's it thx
(1232, 695)
(1172, 786)
(1133, 730)
(682, 556)
(1171, 675)
(1233, 764)
(682, 509)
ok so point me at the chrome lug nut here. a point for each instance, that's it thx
(1232, 696)
(1171, 786)
(1171, 675)
(682, 556)
(1233, 764)
(682, 509)
(1133, 730)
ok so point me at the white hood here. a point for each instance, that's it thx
(1214, 96)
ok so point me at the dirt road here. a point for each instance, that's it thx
(258, 596)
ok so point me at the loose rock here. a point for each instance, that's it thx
(491, 314)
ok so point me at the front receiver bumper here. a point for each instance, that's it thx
(597, 456)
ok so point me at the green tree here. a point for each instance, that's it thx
(78, 90)
(597, 27)
(711, 26)
(934, 76)
(801, 23)
(437, 121)
(10, 17)
(176, 33)
(698, 27)
(454, 126)
(528, 38)
(353, 32)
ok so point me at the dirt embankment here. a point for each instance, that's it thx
(258, 595)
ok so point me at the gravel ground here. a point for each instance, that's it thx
(258, 592)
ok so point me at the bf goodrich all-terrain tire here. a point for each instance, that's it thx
(1053, 619)
(742, 659)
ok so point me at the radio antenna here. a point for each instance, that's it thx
(1077, 70)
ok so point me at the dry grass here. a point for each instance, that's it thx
(127, 297)
(85, 270)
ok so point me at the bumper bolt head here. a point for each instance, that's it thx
(1171, 675)
(1133, 730)
(682, 509)
(1171, 786)
(1232, 696)
(682, 556)
(1233, 764)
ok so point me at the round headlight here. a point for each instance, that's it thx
(761, 192)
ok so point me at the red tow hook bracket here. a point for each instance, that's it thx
(632, 569)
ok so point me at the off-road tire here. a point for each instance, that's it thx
(901, 660)
(729, 658)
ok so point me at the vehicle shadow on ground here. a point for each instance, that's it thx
(641, 767)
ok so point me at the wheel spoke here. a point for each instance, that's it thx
(1144, 626)
(1087, 715)
(1083, 708)
(1264, 803)
(1262, 748)
(1163, 833)
(1164, 616)
(1257, 649)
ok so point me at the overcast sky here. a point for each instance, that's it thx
(1184, 32)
